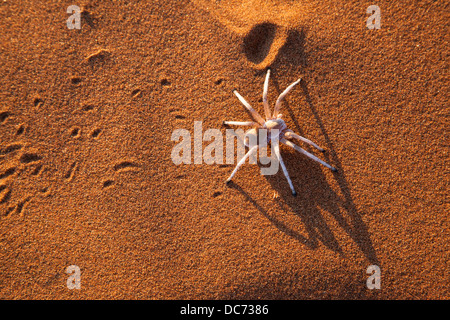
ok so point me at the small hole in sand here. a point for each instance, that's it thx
(75, 132)
(38, 101)
(96, 133)
(165, 82)
(88, 107)
(75, 80)
(108, 183)
(4, 115)
(20, 130)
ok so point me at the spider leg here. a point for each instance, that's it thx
(281, 97)
(265, 91)
(253, 112)
(241, 162)
(286, 174)
(240, 123)
(291, 134)
(306, 153)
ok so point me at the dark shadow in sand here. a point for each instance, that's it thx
(292, 52)
(316, 227)
(348, 217)
(88, 18)
(258, 41)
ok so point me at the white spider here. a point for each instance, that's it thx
(273, 121)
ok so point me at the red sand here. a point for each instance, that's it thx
(86, 176)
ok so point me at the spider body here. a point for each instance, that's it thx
(270, 123)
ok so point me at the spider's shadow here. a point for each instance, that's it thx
(315, 194)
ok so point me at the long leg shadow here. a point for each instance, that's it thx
(316, 227)
(356, 228)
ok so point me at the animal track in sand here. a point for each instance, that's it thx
(165, 82)
(95, 133)
(38, 102)
(10, 148)
(19, 166)
(15, 201)
(90, 134)
(28, 157)
(7, 173)
(14, 196)
(75, 80)
(76, 132)
(88, 107)
(125, 165)
(121, 167)
(98, 57)
(108, 183)
(177, 114)
(136, 93)
(24, 174)
(70, 173)
(37, 170)
(4, 115)
(5, 194)
(20, 130)
(81, 135)
(21, 206)
(217, 194)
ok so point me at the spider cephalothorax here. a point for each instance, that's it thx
(274, 128)
(271, 122)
